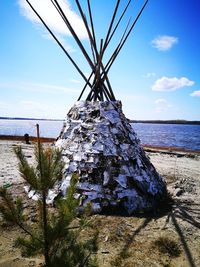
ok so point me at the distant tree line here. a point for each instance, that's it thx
(31, 119)
(131, 121)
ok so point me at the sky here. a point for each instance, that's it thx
(156, 75)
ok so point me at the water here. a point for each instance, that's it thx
(20, 127)
(166, 135)
(169, 135)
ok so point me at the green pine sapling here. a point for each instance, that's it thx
(56, 234)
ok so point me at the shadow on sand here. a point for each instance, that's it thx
(175, 211)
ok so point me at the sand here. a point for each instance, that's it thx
(133, 237)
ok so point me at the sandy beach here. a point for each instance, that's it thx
(135, 234)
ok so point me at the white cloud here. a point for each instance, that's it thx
(161, 105)
(31, 109)
(164, 43)
(196, 93)
(1, 103)
(149, 75)
(50, 15)
(160, 101)
(171, 84)
(68, 47)
(38, 87)
(75, 81)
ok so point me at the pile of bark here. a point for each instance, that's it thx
(114, 173)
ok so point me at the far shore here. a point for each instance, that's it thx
(186, 122)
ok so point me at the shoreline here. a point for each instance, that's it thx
(21, 138)
(147, 148)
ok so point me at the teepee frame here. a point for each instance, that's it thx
(98, 81)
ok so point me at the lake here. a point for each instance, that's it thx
(166, 135)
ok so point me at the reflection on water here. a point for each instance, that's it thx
(168, 135)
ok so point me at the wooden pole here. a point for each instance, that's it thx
(59, 43)
(63, 16)
(111, 24)
(113, 32)
(111, 97)
(38, 135)
(92, 40)
(99, 56)
(115, 54)
(83, 90)
(92, 24)
(109, 94)
(98, 87)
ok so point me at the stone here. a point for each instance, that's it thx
(177, 192)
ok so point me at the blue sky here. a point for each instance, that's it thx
(156, 75)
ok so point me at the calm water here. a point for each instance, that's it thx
(20, 127)
(168, 135)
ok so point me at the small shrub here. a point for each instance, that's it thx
(168, 246)
(118, 261)
(57, 233)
